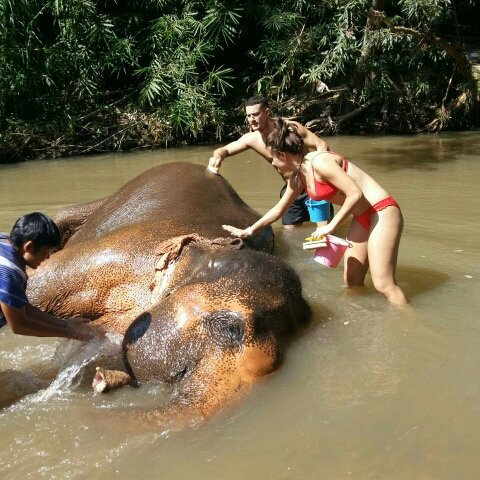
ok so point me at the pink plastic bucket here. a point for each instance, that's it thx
(331, 255)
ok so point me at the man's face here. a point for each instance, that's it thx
(33, 256)
(257, 117)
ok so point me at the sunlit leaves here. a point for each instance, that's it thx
(425, 13)
(222, 20)
(220, 78)
(77, 53)
(185, 62)
(280, 19)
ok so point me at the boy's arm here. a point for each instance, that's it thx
(29, 320)
(311, 141)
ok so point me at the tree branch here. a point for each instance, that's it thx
(453, 51)
(355, 113)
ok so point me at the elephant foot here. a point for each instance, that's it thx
(106, 380)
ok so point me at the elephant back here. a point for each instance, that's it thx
(171, 199)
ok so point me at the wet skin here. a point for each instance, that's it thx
(208, 317)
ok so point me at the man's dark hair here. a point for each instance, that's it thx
(262, 101)
(38, 228)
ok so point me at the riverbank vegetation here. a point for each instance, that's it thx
(83, 76)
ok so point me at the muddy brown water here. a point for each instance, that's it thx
(366, 392)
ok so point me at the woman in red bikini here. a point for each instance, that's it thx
(377, 220)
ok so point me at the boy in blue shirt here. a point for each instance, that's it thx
(30, 242)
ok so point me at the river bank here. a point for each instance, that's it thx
(114, 130)
(93, 77)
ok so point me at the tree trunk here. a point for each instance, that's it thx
(367, 43)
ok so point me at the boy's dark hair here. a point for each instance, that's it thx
(38, 228)
(262, 101)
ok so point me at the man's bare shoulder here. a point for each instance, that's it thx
(292, 122)
(257, 143)
(311, 140)
(251, 138)
(301, 129)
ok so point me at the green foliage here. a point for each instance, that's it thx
(88, 71)
(336, 45)
(222, 20)
(424, 13)
(61, 60)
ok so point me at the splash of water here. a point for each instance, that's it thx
(76, 356)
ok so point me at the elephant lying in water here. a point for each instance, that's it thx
(207, 315)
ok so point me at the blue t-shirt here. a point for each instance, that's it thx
(13, 279)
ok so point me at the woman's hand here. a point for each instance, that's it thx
(237, 232)
(322, 230)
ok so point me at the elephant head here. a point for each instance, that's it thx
(219, 331)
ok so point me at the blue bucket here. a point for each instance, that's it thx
(319, 210)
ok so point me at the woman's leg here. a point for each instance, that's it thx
(356, 258)
(383, 242)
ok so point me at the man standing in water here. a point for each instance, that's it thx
(261, 125)
(29, 244)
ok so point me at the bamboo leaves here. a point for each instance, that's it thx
(175, 68)
(222, 21)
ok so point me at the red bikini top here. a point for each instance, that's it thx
(323, 190)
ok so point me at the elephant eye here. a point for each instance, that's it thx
(225, 328)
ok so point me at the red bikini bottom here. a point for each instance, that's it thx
(364, 218)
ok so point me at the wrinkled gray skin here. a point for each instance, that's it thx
(208, 318)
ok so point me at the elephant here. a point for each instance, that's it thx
(207, 314)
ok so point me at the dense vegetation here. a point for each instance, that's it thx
(82, 76)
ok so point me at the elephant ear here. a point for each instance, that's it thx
(171, 249)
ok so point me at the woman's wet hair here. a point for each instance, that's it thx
(285, 138)
(38, 228)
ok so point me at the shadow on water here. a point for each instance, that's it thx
(424, 154)
(17, 384)
(319, 317)
(416, 280)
